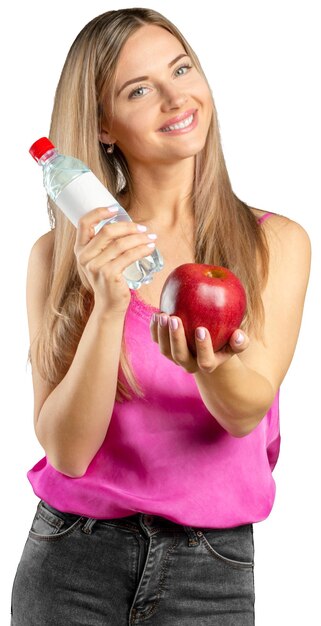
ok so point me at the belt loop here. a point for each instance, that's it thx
(193, 539)
(87, 527)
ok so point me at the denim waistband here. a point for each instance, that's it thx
(139, 522)
(149, 525)
(145, 523)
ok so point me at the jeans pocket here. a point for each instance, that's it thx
(49, 524)
(233, 546)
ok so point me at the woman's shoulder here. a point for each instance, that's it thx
(288, 244)
(268, 216)
(44, 244)
(279, 226)
(40, 258)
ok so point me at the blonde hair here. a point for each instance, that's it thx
(226, 233)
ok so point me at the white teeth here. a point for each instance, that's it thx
(183, 124)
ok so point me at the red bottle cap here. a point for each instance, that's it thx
(40, 147)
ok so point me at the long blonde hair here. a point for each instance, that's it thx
(226, 232)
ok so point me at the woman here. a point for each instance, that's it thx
(157, 463)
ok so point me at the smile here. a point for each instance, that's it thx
(183, 124)
(182, 127)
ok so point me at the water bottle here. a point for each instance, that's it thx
(76, 190)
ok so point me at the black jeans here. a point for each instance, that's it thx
(141, 569)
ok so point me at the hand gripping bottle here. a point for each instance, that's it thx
(76, 190)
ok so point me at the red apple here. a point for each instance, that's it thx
(204, 295)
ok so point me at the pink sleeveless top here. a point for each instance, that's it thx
(165, 454)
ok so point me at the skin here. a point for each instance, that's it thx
(237, 385)
(160, 165)
(162, 169)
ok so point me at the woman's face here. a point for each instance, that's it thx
(156, 82)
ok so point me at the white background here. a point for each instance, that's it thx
(262, 60)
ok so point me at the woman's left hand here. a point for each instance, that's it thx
(173, 345)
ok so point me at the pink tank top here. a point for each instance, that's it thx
(166, 455)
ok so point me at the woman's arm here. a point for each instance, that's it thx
(242, 389)
(239, 390)
(72, 419)
(237, 396)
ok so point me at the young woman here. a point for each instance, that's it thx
(158, 463)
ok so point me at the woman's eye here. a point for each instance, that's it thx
(184, 67)
(139, 91)
(136, 92)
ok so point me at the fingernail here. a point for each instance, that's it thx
(200, 333)
(239, 339)
(163, 320)
(113, 209)
(173, 323)
(141, 228)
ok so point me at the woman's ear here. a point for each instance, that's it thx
(105, 137)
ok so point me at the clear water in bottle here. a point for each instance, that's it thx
(76, 190)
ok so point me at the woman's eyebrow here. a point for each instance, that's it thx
(140, 78)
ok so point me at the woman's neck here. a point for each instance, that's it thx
(161, 196)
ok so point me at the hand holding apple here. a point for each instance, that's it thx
(204, 295)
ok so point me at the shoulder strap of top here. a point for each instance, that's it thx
(264, 217)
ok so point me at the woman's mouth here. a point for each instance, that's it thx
(182, 127)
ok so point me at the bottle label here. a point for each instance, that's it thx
(82, 195)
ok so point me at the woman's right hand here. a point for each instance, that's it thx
(102, 258)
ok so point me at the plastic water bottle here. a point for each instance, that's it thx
(76, 190)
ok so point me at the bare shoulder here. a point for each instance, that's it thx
(289, 262)
(290, 234)
(38, 272)
(37, 291)
(284, 235)
(44, 245)
(274, 219)
(40, 259)
(289, 250)
(283, 298)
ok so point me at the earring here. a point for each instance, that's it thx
(110, 148)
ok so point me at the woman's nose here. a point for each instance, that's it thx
(173, 98)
